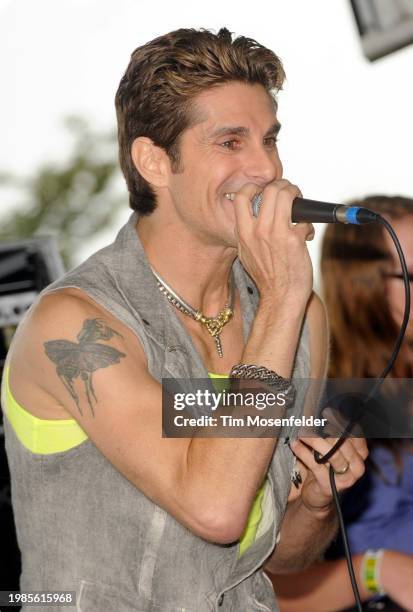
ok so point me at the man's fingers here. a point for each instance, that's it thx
(323, 446)
(275, 207)
(310, 232)
(306, 230)
(306, 456)
(276, 203)
(361, 446)
(242, 204)
(346, 462)
(351, 452)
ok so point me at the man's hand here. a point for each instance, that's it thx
(310, 521)
(274, 253)
(316, 491)
(271, 248)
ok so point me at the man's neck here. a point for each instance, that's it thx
(196, 271)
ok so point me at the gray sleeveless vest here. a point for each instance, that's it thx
(82, 526)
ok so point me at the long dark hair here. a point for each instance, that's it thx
(354, 261)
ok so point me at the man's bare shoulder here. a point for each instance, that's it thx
(62, 328)
(62, 311)
(63, 303)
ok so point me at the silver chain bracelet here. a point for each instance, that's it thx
(269, 377)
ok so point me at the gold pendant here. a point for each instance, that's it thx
(214, 325)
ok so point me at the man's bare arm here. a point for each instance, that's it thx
(95, 368)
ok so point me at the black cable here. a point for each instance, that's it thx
(345, 539)
(324, 458)
(343, 530)
(405, 321)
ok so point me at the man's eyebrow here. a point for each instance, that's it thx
(243, 131)
(274, 129)
(228, 129)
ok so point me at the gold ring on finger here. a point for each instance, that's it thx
(342, 470)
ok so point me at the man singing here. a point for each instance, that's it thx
(193, 285)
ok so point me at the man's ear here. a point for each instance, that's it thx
(152, 162)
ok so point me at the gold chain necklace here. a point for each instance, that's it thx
(214, 325)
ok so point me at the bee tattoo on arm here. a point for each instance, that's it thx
(81, 359)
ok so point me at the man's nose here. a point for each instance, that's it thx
(263, 165)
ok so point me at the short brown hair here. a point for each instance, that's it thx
(161, 80)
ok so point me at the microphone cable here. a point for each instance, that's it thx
(322, 459)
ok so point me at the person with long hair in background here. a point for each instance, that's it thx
(364, 295)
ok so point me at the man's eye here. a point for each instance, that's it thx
(271, 141)
(230, 144)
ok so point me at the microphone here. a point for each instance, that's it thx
(313, 211)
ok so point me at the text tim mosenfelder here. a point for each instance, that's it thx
(259, 401)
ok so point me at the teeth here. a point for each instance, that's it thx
(229, 196)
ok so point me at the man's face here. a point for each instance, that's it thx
(233, 144)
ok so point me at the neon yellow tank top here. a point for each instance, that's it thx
(47, 436)
(44, 436)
